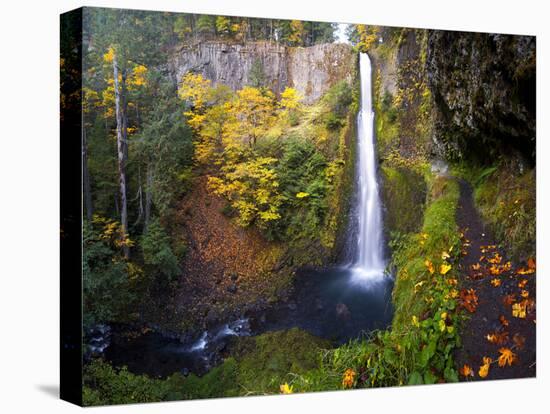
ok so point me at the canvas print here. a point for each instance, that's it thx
(282, 206)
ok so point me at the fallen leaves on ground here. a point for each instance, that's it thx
(497, 338)
(430, 266)
(519, 310)
(349, 378)
(509, 299)
(496, 282)
(444, 268)
(522, 283)
(503, 321)
(286, 389)
(469, 299)
(484, 369)
(507, 357)
(466, 371)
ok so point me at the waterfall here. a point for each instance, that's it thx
(369, 260)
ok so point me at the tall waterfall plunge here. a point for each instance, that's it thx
(369, 259)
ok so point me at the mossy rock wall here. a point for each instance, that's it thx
(403, 193)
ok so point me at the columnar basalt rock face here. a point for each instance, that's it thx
(311, 70)
(484, 90)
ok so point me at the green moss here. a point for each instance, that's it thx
(439, 233)
(507, 203)
(271, 359)
(403, 194)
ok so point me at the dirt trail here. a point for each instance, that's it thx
(481, 269)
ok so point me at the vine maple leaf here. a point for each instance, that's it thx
(468, 299)
(430, 266)
(496, 282)
(348, 378)
(507, 357)
(484, 369)
(444, 268)
(466, 371)
(519, 310)
(522, 283)
(503, 320)
(286, 389)
(497, 338)
(509, 299)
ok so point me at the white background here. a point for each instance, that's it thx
(29, 194)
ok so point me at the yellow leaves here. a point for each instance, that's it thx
(138, 77)
(296, 32)
(302, 195)
(519, 310)
(507, 357)
(522, 283)
(290, 99)
(466, 371)
(524, 294)
(109, 56)
(367, 36)
(484, 369)
(286, 389)
(497, 337)
(195, 88)
(418, 285)
(476, 266)
(349, 378)
(497, 258)
(415, 322)
(496, 282)
(445, 255)
(444, 268)
(430, 266)
(423, 238)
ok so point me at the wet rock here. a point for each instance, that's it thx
(292, 306)
(211, 317)
(483, 86)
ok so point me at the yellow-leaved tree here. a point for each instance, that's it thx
(367, 36)
(252, 189)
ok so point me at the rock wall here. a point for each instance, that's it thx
(311, 70)
(484, 89)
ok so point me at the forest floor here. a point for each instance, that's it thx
(228, 269)
(499, 299)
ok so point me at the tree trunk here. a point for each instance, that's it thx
(148, 196)
(86, 186)
(122, 153)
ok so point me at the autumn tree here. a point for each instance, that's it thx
(252, 190)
